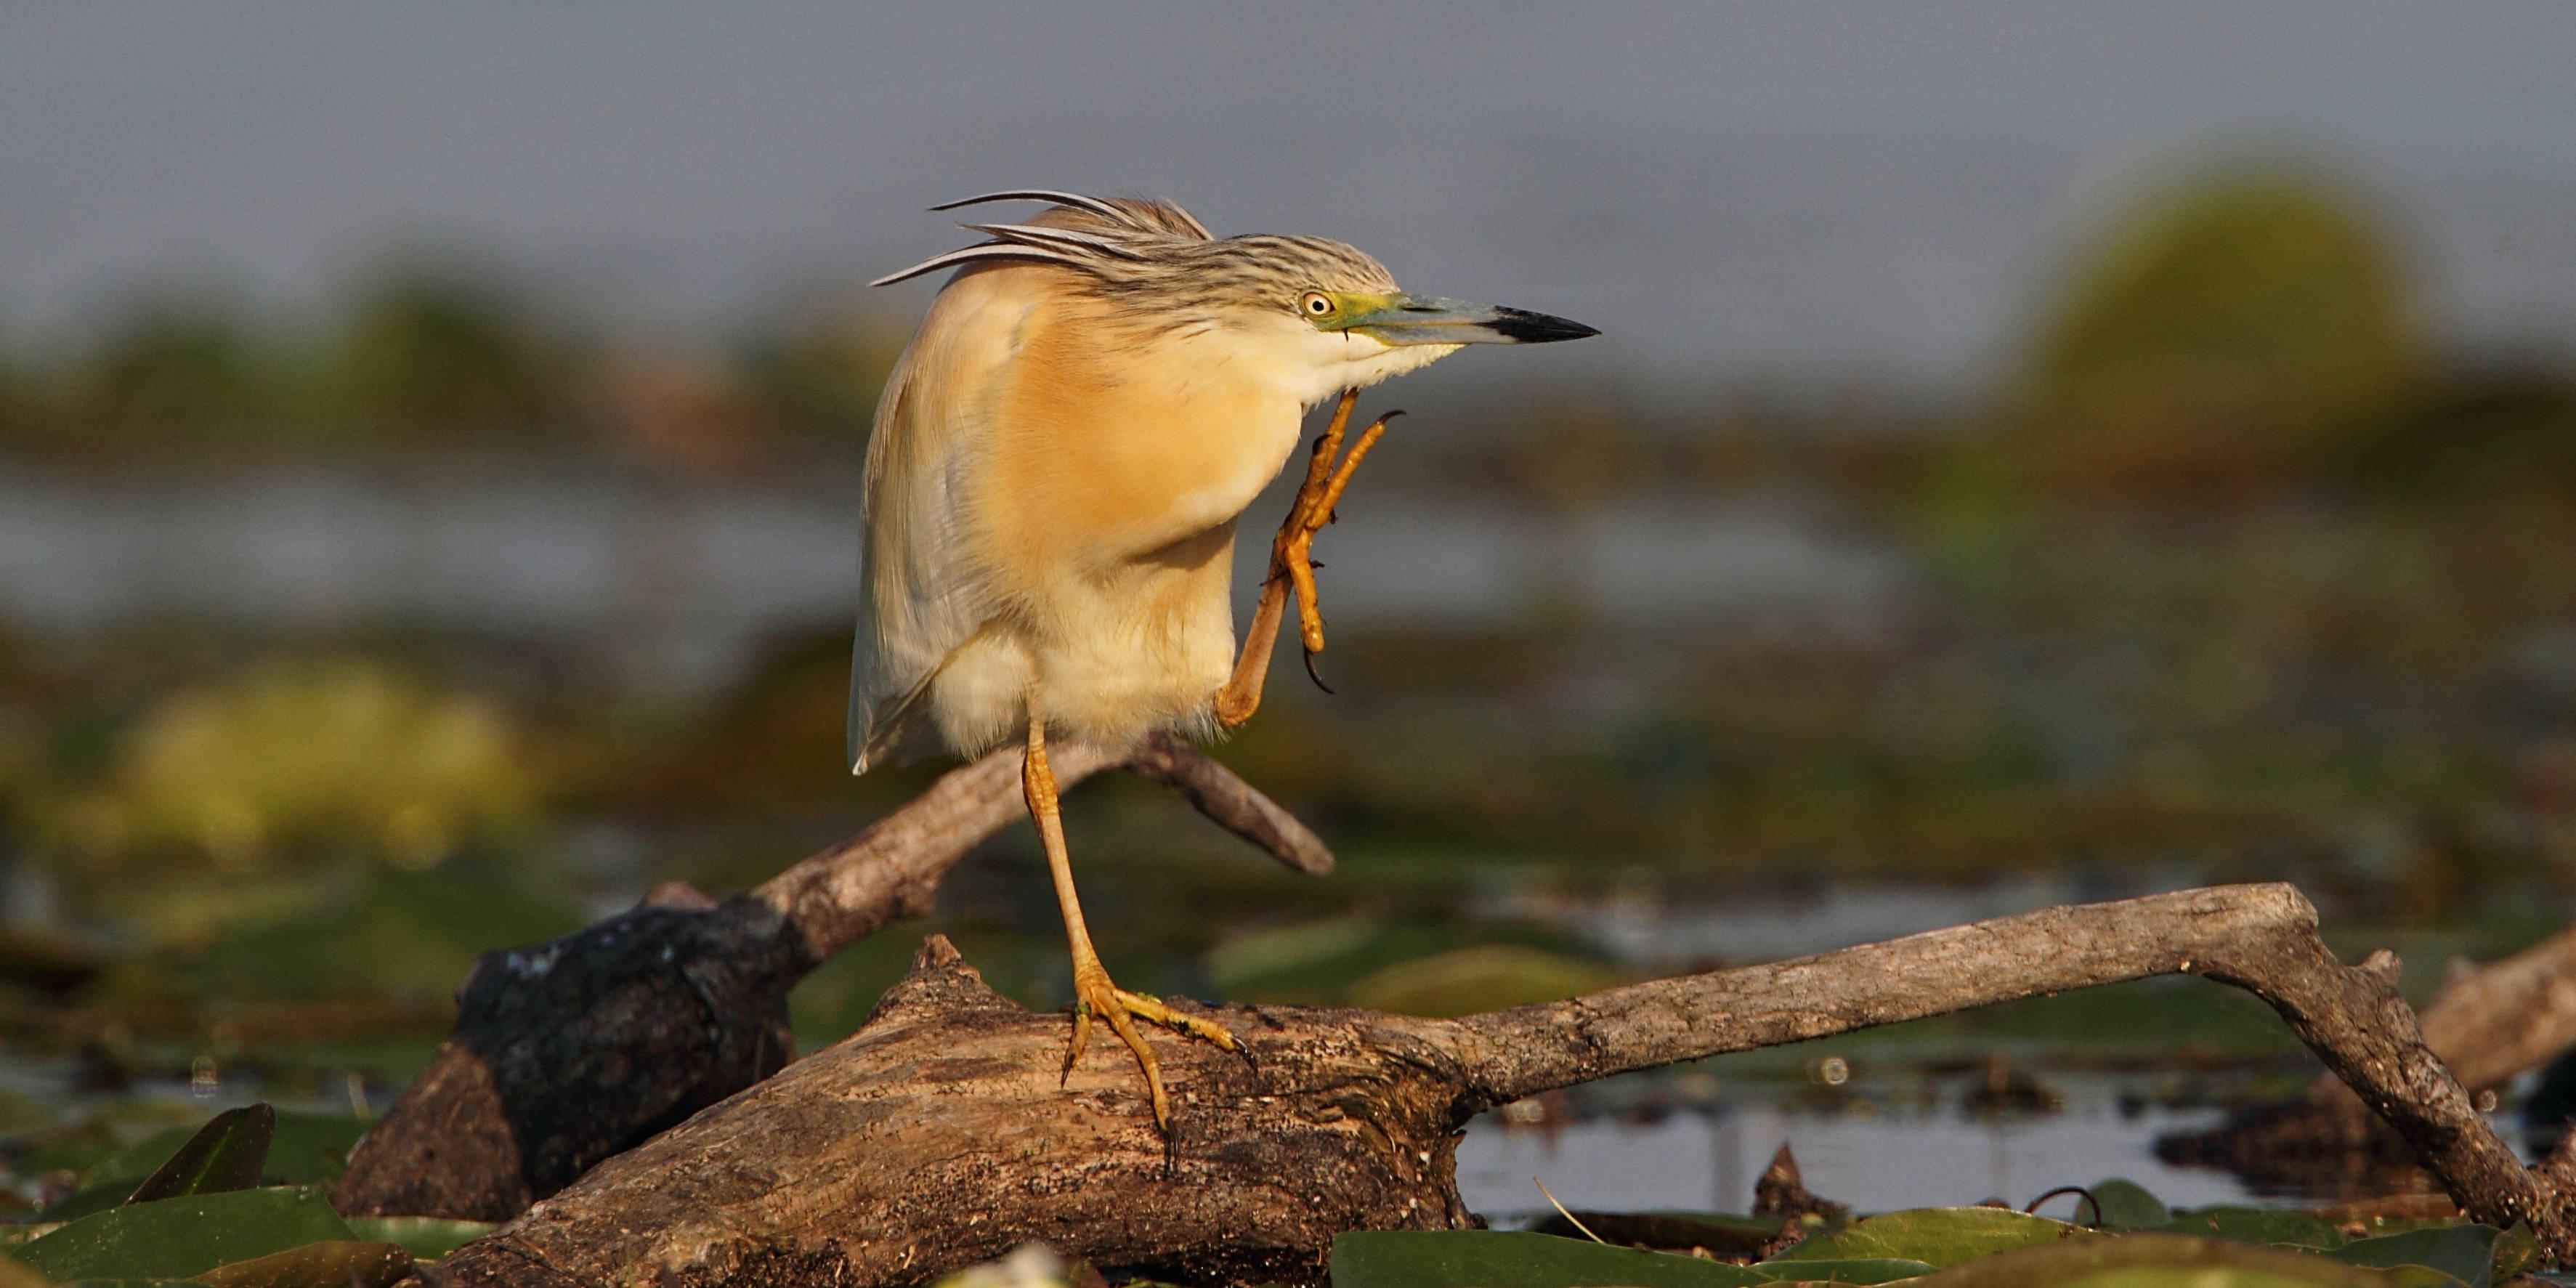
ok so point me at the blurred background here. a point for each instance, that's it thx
(2035, 452)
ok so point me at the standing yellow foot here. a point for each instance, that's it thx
(1115, 1005)
(1094, 995)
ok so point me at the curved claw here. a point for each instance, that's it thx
(1081, 1039)
(1310, 671)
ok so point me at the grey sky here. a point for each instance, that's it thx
(1801, 188)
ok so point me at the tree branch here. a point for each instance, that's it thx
(938, 1135)
(2488, 1025)
(567, 1052)
(892, 870)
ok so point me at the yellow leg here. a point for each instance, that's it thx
(1094, 994)
(1292, 565)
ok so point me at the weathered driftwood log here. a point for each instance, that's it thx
(937, 1135)
(567, 1052)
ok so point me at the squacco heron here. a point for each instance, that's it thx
(1058, 462)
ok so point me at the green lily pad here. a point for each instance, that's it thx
(2464, 1252)
(311, 1148)
(182, 1237)
(326, 1264)
(425, 1237)
(2257, 1225)
(91, 1199)
(1938, 1237)
(2171, 1261)
(306, 1148)
(225, 1154)
(1516, 1259)
(2516, 1250)
(1857, 1270)
(2127, 1205)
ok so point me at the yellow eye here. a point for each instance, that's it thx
(1317, 304)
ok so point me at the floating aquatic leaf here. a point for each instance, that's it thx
(307, 1149)
(2516, 1250)
(185, 1236)
(326, 1264)
(1517, 1259)
(1858, 1270)
(2171, 1261)
(2257, 1225)
(311, 1148)
(1935, 1236)
(225, 1154)
(425, 1237)
(2464, 1252)
(2127, 1205)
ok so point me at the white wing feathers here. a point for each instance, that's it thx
(916, 603)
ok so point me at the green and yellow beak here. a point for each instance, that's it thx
(1418, 319)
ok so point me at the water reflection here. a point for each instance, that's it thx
(1706, 1161)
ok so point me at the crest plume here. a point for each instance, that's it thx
(1081, 232)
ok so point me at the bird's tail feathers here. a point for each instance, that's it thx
(890, 727)
(879, 731)
(877, 719)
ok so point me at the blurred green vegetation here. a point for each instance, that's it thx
(436, 356)
(2240, 574)
(2233, 332)
(425, 354)
(345, 756)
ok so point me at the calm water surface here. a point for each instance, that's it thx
(1707, 1161)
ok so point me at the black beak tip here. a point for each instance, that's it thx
(1521, 326)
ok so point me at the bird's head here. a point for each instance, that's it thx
(1332, 318)
(1319, 316)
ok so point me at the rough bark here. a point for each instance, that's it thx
(570, 1051)
(937, 1135)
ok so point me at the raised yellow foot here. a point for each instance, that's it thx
(1292, 565)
